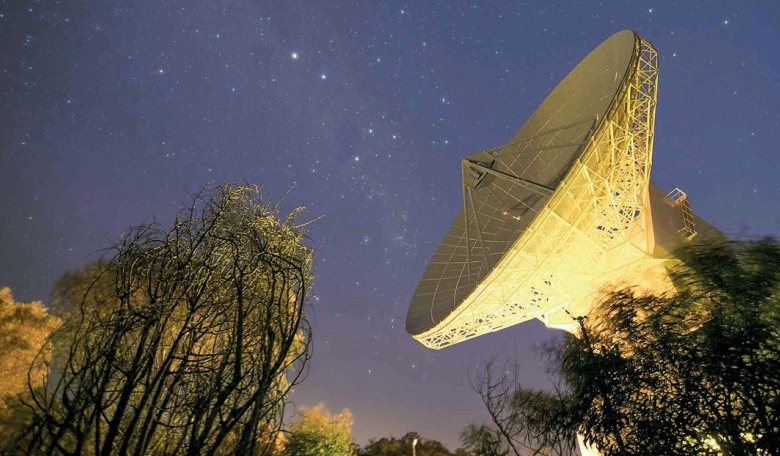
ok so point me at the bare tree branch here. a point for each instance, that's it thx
(182, 339)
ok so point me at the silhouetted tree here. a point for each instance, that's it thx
(527, 421)
(183, 339)
(693, 373)
(482, 441)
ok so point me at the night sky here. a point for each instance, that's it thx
(111, 112)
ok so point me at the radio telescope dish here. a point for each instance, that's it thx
(562, 209)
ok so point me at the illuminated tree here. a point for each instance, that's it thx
(24, 329)
(318, 433)
(183, 339)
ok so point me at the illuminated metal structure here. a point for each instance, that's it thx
(561, 210)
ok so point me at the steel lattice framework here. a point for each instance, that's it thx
(592, 226)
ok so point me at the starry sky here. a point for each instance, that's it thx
(111, 112)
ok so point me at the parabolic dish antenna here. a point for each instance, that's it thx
(562, 209)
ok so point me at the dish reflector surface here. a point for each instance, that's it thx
(507, 188)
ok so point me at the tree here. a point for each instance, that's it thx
(403, 446)
(482, 441)
(318, 433)
(526, 421)
(704, 364)
(697, 372)
(182, 339)
(24, 330)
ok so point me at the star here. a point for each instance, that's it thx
(383, 215)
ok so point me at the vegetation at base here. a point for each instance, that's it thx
(182, 339)
(391, 446)
(24, 353)
(187, 339)
(693, 373)
(319, 433)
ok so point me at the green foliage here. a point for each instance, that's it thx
(482, 441)
(318, 433)
(183, 339)
(695, 373)
(692, 373)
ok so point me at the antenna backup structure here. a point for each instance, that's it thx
(561, 210)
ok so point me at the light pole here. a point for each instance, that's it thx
(414, 443)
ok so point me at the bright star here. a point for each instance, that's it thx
(295, 56)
